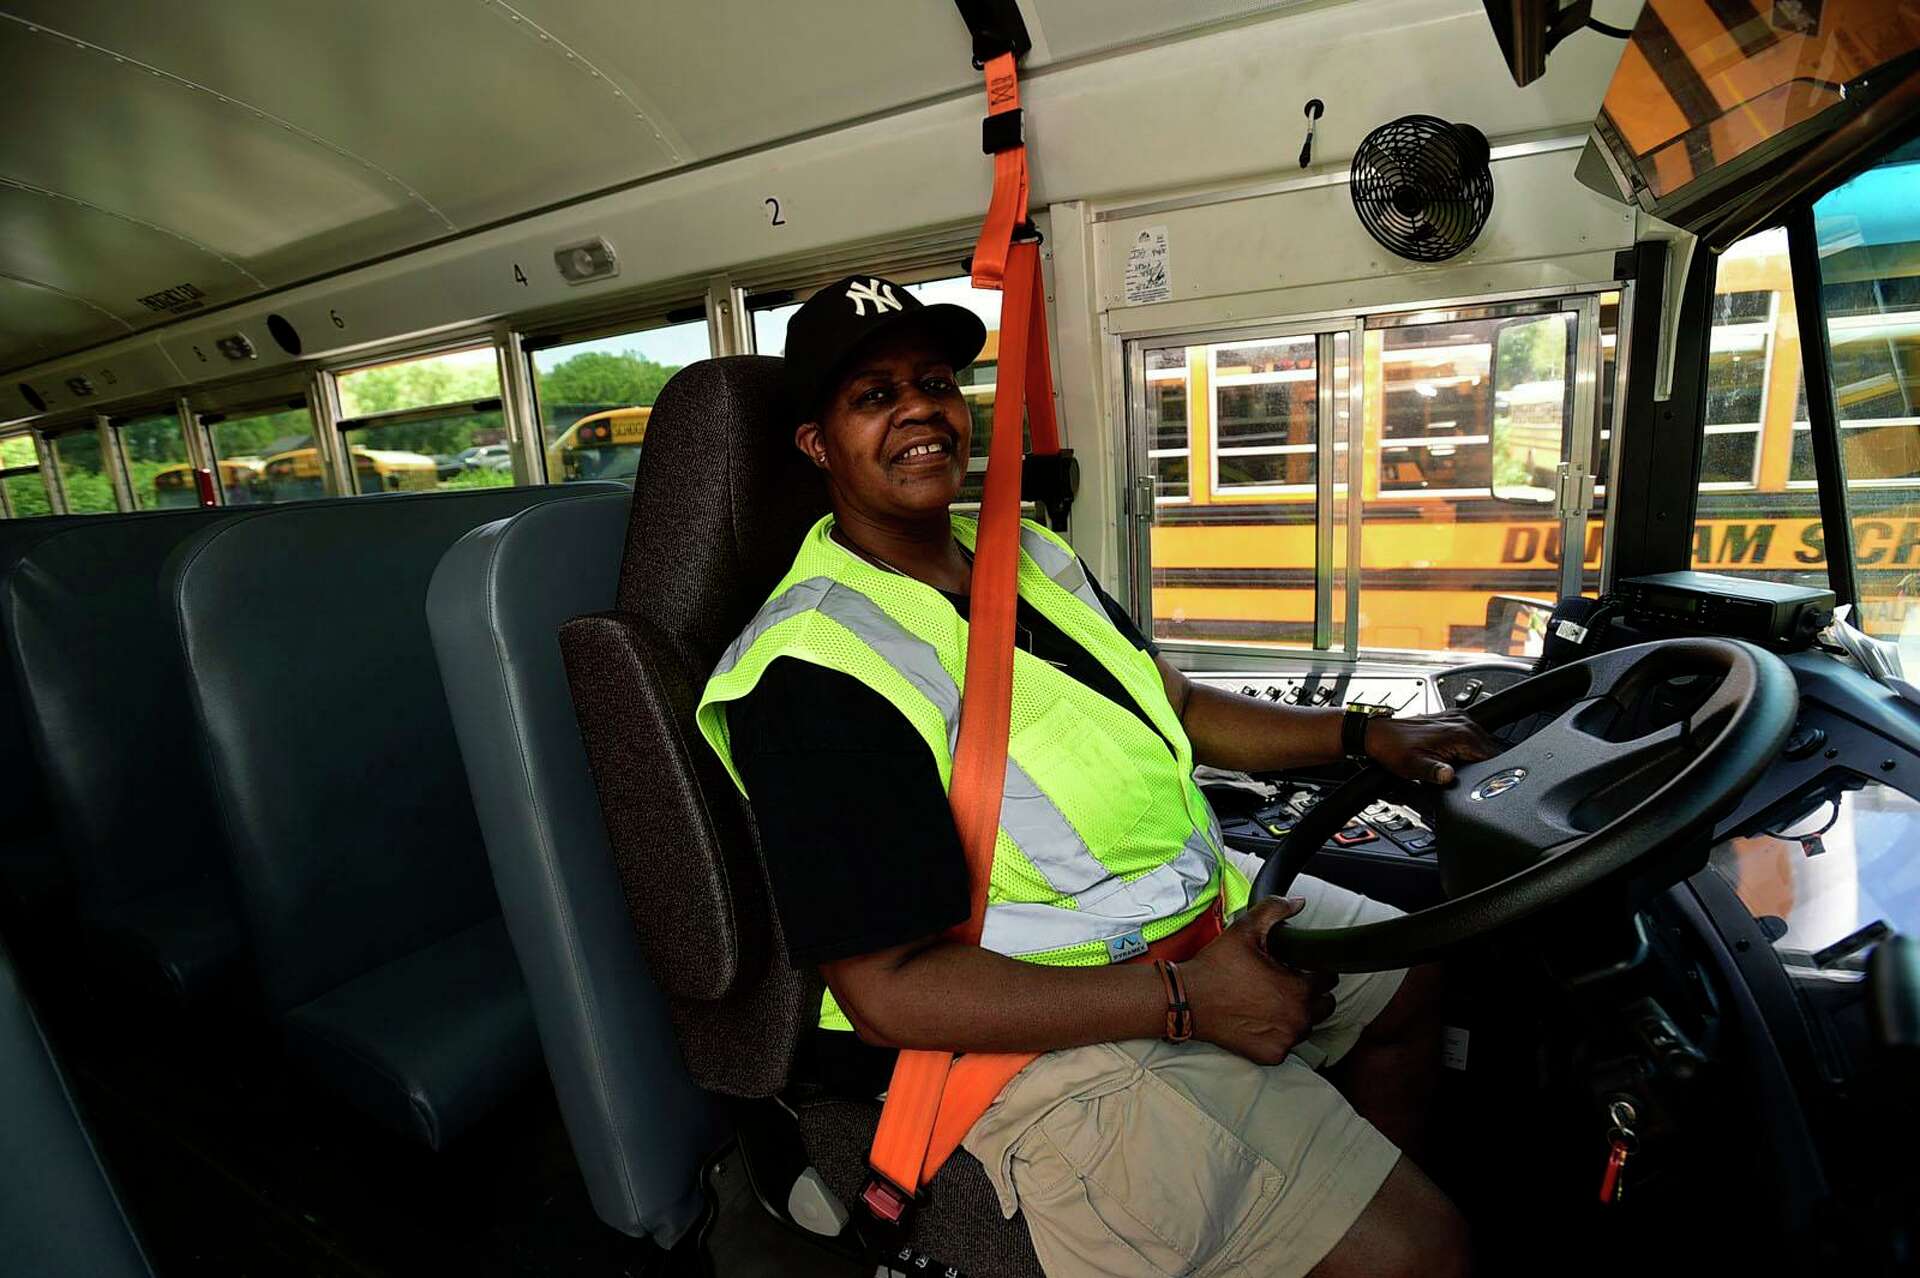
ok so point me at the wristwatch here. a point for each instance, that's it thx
(1353, 729)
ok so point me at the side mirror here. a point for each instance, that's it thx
(1516, 627)
(1532, 394)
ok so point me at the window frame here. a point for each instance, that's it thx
(116, 425)
(1216, 383)
(1842, 323)
(1816, 372)
(205, 420)
(1183, 375)
(1337, 566)
(56, 504)
(1336, 529)
(1504, 306)
(50, 437)
(524, 345)
(1769, 331)
(332, 425)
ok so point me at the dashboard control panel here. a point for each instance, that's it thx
(1384, 829)
(1406, 694)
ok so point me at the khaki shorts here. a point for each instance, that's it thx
(1150, 1159)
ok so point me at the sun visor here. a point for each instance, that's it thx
(1719, 115)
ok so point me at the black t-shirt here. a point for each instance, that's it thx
(857, 832)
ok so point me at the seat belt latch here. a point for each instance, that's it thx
(889, 1204)
(1003, 131)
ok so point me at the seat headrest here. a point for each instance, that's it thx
(721, 500)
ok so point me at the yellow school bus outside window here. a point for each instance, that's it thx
(297, 476)
(603, 445)
(1759, 511)
(1233, 446)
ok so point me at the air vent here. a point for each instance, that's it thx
(285, 335)
(33, 399)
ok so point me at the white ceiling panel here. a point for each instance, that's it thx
(467, 102)
(1075, 28)
(737, 73)
(132, 142)
(37, 321)
(240, 145)
(111, 260)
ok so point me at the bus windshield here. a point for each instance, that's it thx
(1869, 237)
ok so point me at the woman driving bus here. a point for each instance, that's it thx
(1288, 1096)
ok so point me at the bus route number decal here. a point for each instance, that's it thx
(773, 212)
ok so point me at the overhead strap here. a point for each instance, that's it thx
(1008, 210)
(935, 1098)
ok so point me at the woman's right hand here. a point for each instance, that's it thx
(1246, 1001)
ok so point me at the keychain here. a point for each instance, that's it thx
(1622, 1141)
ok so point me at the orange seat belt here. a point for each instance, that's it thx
(935, 1097)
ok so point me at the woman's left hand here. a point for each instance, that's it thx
(1425, 749)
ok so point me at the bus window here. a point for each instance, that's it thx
(83, 471)
(154, 446)
(1249, 538)
(1168, 454)
(1739, 357)
(976, 381)
(20, 478)
(1602, 464)
(424, 423)
(1266, 415)
(1229, 432)
(1442, 562)
(264, 457)
(583, 388)
(770, 327)
(1869, 236)
(1752, 517)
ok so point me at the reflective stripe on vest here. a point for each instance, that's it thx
(1056, 899)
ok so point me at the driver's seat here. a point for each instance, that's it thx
(721, 500)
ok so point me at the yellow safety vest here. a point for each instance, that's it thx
(1105, 844)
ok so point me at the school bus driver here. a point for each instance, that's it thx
(1288, 1100)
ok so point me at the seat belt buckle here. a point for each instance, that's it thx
(1003, 131)
(887, 1202)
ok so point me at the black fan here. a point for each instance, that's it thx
(1422, 186)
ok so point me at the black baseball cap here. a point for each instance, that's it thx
(826, 332)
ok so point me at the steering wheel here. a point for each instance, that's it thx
(1599, 789)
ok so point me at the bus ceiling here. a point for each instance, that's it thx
(157, 169)
(243, 190)
(156, 173)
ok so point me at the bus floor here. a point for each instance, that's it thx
(230, 1168)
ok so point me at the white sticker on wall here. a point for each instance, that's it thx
(1453, 1047)
(1149, 274)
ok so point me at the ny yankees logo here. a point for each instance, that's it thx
(880, 294)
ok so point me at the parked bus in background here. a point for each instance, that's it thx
(1445, 563)
(296, 476)
(601, 445)
(173, 486)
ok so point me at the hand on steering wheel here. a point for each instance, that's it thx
(1428, 748)
(1246, 1001)
(1593, 794)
